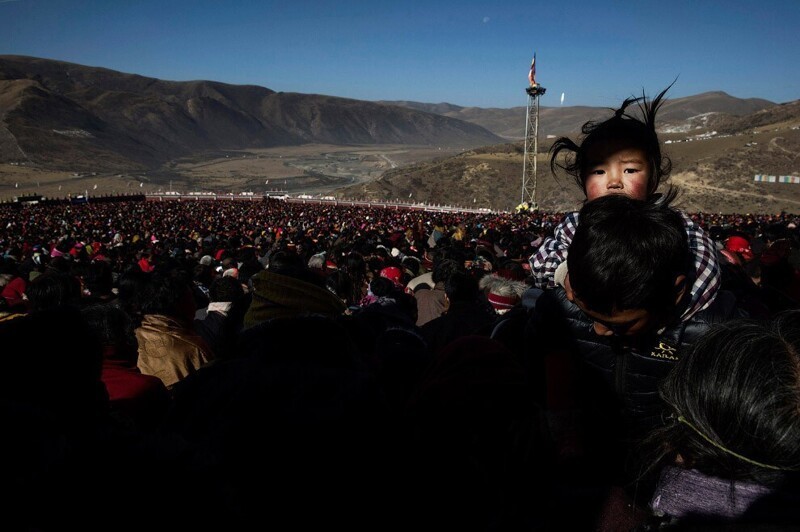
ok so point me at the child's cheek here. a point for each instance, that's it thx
(637, 190)
(595, 189)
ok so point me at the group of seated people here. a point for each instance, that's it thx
(382, 372)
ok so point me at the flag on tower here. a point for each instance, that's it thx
(532, 73)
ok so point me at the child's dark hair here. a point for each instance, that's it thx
(627, 254)
(639, 132)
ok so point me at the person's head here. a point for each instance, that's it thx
(394, 274)
(411, 265)
(285, 262)
(734, 401)
(354, 264)
(203, 273)
(168, 295)
(460, 287)
(53, 290)
(620, 155)
(341, 284)
(737, 249)
(381, 286)
(226, 290)
(628, 264)
(444, 269)
(44, 380)
(317, 263)
(503, 294)
(131, 289)
(98, 279)
(291, 264)
(114, 328)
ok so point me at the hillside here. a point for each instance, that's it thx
(713, 168)
(62, 115)
(510, 123)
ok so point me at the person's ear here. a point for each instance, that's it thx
(680, 288)
(568, 289)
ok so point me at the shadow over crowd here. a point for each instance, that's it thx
(224, 365)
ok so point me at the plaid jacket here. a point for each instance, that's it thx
(553, 252)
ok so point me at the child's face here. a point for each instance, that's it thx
(615, 169)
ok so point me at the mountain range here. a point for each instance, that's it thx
(510, 123)
(63, 115)
(67, 117)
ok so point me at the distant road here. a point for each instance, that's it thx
(392, 164)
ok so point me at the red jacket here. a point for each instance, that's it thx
(142, 398)
(145, 265)
(14, 291)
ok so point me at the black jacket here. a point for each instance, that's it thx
(461, 319)
(627, 376)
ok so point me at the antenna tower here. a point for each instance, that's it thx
(534, 90)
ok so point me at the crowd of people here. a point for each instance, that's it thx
(229, 365)
(296, 346)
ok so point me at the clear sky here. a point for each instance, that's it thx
(462, 52)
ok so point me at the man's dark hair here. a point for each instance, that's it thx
(381, 286)
(411, 264)
(627, 254)
(444, 269)
(341, 284)
(226, 289)
(461, 287)
(285, 262)
(131, 289)
(53, 290)
(99, 278)
(112, 326)
(291, 264)
(165, 295)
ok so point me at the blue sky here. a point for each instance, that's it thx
(462, 52)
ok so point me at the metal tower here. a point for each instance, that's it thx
(534, 90)
(531, 146)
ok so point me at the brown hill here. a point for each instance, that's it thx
(62, 115)
(714, 168)
(510, 123)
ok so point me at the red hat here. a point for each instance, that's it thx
(739, 244)
(393, 273)
(502, 303)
